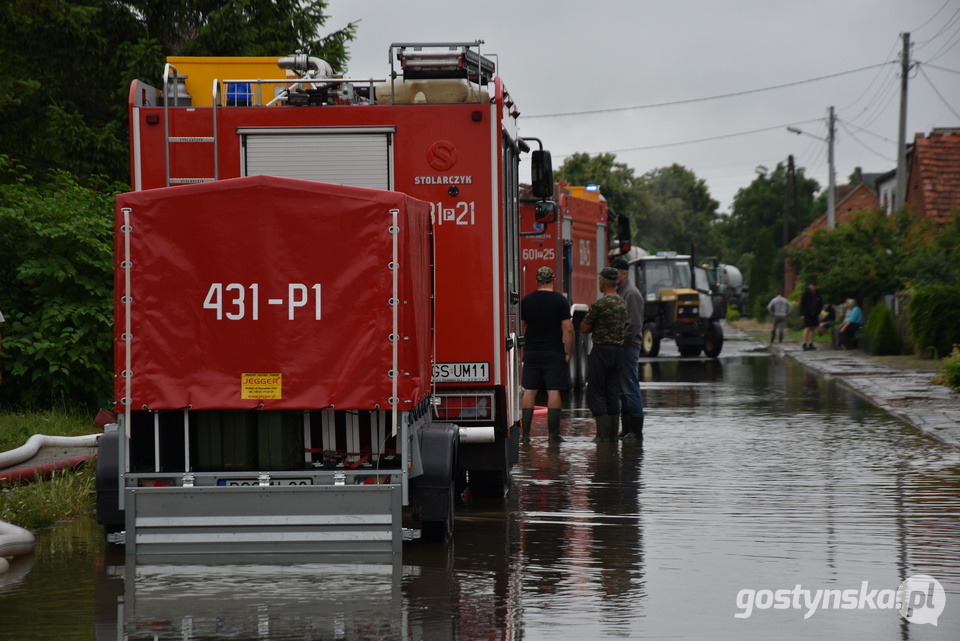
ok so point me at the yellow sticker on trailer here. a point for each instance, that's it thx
(261, 386)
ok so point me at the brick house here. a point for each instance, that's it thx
(933, 188)
(933, 184)
(850, 199)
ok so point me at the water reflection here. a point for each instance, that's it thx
(753, 474)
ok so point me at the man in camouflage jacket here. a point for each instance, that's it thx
(605, 320)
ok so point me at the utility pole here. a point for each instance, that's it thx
(789, 203)
(900, 196)
(832, 188)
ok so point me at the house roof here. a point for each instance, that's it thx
(934, 183)
(855, 198)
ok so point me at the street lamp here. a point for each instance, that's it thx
(832, 187)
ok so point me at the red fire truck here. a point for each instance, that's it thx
(586, 236)
(441, 128)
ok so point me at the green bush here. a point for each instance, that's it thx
(881, 332)
(56, 285)
(733, 314)
(950, 370)
(935, 318)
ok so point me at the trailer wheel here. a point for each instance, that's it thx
(433, 493)
(441, 531)
(714, 340)
(109, 514)
(651, 339)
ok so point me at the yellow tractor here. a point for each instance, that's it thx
(677, 305)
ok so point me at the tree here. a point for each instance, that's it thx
(931, 253)
(762, 271)
(860, 259)
(616, 180)
(56, 275)
(66, 66)
(760, 207)
(677, 212)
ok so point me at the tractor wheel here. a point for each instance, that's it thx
(651, 339)
(714, 340)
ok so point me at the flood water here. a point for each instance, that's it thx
(756, 479)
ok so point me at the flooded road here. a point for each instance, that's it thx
(765, 503)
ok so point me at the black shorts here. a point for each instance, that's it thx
(545, 370)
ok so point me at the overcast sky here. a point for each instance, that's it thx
(610, 62)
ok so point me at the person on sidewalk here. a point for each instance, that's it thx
(779, 308)
(605, 319)
(548, 345)
(810, 305)
(631, 399)
(851, 325)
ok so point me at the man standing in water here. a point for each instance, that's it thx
(548, 345)
(606, 319)
(631, 399)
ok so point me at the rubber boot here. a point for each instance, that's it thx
(526, 418)
(635, 429)
(625, 429)
(612, 428)
(553, 425)
(606, 429)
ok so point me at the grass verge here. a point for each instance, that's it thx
(67, 494)
(17, 427)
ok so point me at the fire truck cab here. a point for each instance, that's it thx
(440, 127)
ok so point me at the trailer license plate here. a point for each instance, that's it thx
(461, 372)
(255, 482)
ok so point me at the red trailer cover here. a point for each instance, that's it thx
(272, 291)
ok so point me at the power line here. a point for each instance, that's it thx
(947, 46)
(699, 140)
(936, 91)
(862, 144)
(890, 72)
(706, 98)
(927, 64)
(949, 23)
(875, 135)
(929, 20)
(880, 100)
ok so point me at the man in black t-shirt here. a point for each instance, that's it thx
(548, 345)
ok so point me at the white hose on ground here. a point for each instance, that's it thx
(29, 449)
(15, 540)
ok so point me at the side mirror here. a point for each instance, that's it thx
(545, 212)
(541, 174)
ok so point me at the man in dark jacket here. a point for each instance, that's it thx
(810, 305)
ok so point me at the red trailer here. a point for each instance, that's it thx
(441, 128)
(587, 235)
